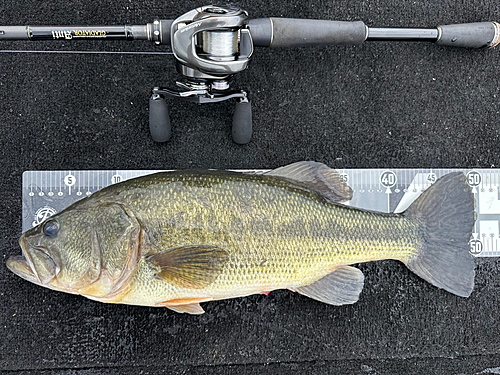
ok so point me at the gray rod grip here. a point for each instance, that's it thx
(291, 32)
(261, 30)
(165, 31)
(14, 33)
(470, 35)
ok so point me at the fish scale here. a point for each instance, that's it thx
(294, 254)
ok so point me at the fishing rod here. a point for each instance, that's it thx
(212, 43)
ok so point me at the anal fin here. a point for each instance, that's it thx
(340, 287)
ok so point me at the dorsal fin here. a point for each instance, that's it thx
(319, 177)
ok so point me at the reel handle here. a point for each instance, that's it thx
(242, 122)
(159, 120)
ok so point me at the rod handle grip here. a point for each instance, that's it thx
(13, 33)
(165, 31)
(294, 32)
(470, 35)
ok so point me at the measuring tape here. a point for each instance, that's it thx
(385, 190)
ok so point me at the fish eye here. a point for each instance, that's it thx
(50, 228)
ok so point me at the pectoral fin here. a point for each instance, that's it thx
(319, 177)
(341, 287)
(190, 266)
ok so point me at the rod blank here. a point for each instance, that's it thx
(73, 32)
(402, 34)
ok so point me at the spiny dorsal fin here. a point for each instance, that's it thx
(193, 266)
(341, 287)
(319, 177)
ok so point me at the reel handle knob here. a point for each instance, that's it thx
(159, 120)
(242, 122)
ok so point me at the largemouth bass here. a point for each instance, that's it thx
(176, 239)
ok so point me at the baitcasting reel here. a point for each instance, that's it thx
(212, 43)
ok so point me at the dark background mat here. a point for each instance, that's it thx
(391, 105)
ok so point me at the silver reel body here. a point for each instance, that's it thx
(210, 44)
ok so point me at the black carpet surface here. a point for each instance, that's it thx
(377, 105)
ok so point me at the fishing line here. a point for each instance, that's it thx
(89, 52)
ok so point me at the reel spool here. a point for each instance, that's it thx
(210, 44)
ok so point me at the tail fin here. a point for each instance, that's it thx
(445, 214)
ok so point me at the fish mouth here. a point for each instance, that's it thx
(23, 266)
(20, 266)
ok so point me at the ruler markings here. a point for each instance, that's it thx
(47, 192)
